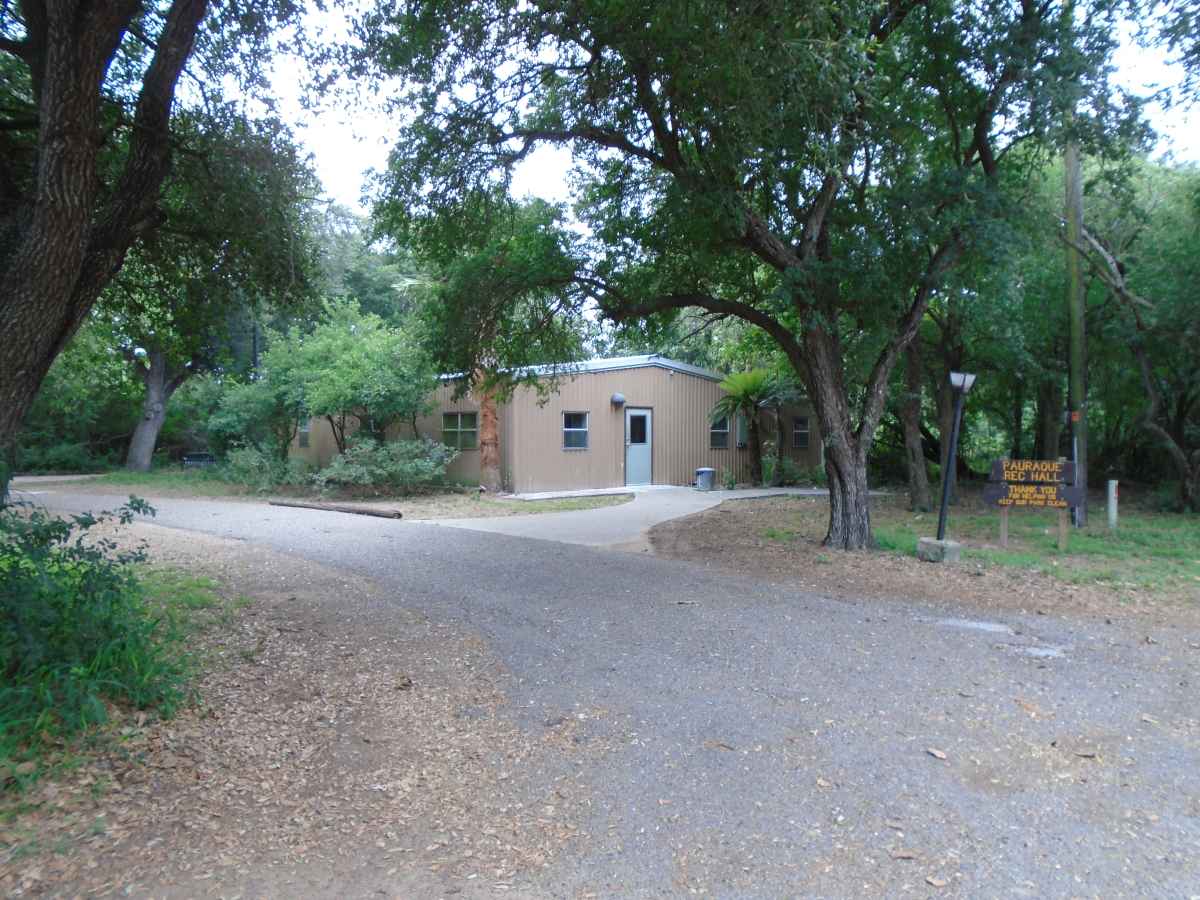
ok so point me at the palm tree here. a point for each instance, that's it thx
(746, 394)
(786, 391)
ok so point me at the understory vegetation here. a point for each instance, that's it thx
(80, 631)
(1151, 550)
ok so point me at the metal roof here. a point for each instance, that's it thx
(615, 363)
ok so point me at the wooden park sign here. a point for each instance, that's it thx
(1033, 484)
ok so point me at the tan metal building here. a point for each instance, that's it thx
(606, 423)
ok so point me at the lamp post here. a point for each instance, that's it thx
(960, 383)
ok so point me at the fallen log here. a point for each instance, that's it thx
(338, 507)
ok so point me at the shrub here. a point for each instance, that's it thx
(792, 473)
(263, 470)
(60, 457)
(75, 632)
(402, 466)
(260, 413)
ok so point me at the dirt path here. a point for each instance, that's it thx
(737, 736)
(344, 746)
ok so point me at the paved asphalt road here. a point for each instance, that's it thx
(773, 743)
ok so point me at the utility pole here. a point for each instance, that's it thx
(1076, 308)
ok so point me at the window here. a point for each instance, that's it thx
(718, 434)
(800, 432)
(575, 431)
(303, 433)
(637, 428)
(460, 430)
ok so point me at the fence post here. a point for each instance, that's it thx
(1112, 505)
(1004, 526)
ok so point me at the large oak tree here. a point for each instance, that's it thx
(88, 91)
(815, 169)
(236, 242)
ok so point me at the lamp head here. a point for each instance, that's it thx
(961, 381)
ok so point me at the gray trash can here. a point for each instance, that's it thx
(705, 479)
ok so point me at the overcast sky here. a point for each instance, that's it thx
(346, 144)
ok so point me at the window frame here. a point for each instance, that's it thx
(797, 431)
(458, 431)
(585, 430)
(713, 431)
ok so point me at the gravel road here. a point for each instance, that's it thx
(766, 742)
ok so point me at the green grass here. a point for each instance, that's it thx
(193, 601)
(567, 504)
(783, 535)
(210, 483)
(199, 482)
(1148, 551)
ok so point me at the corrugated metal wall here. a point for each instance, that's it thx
(321, 446)
(531, 438)
(680, 431)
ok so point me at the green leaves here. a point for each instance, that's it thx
(509, 300)
(352, 364)
(745, 394)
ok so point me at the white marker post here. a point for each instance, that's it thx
(1112, 505)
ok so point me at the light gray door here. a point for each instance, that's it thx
(637, 446)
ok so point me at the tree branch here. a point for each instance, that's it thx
(625, 308)
(19, 49)
(582, 132)
(873, 402)
(672, 160)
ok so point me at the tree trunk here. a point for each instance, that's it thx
(910, 417)
(65, 242)
(1077, 310)
(160, 384)
(845, 453)
(1189, 487)
(8, 465)
(489, 441)
(849, 497)
(777, 469)
(337, 424)
(1018, 419)
(283, 437)
(1049, 413)
(1186, 464)
(756, 458)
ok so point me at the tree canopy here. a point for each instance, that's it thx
(353, 369)
(815, 169)
(90, 121)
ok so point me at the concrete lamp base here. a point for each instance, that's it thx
(933, 550)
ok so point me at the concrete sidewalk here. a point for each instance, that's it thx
(621, 525)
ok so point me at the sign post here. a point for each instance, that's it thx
(1033, 484)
